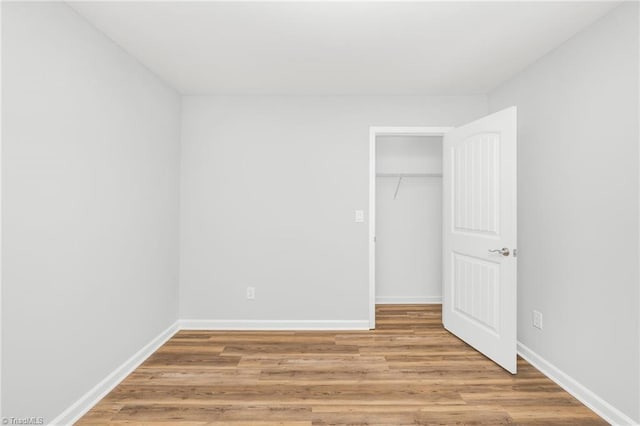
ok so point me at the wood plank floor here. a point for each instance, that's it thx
(408, 371)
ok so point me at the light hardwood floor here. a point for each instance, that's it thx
(408, 371)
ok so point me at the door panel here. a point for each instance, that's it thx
(479, 295)
(476, 191)
(475, 290)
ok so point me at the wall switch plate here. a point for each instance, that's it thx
(537, 319)
(251, 293)
(359, 216)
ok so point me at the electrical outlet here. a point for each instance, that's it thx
(537, 319)
(359, 217)
(251, 293)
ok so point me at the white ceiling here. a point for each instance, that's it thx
(436, 48)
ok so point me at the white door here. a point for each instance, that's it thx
(480, 235)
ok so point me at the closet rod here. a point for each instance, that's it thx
(403, 175)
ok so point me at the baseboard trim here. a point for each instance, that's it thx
(196, 324)
(393, 300)
(601, 407)
(99, 391)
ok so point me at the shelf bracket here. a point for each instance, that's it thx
(397, 187)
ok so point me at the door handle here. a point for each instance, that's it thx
(503, 251)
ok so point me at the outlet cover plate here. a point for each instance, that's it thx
(537, 319)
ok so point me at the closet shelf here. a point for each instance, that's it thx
(403, 175)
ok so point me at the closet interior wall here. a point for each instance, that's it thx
(408, 219)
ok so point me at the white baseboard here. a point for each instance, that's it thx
(99, 391)
(579, 391)
(195, 324)
(402, 300)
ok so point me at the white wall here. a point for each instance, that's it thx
(90, 207)
(578, 206)
(268, 192)
(409, 227)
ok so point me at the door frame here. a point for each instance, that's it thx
(374, 132)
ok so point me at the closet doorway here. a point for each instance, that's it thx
(405, 216)
(476, 164)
